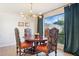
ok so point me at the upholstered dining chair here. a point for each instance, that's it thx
(52, 40)
(27, 33)
(42, 48)
(21, 46)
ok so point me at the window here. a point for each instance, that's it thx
(58, 22)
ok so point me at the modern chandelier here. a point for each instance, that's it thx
(30, 13)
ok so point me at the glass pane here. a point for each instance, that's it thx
(58, 22)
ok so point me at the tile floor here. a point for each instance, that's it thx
(11, 51)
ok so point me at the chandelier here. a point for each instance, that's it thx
(31, 14)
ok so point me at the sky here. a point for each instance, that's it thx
(52, 19)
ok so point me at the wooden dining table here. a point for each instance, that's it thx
(36, 42)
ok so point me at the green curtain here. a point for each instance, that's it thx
(40, 25)
(71, 28)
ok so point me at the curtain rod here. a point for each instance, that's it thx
(57, 8)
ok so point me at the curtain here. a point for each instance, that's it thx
(40, 25)
(71, 29)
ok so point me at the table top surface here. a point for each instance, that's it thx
(34, 40)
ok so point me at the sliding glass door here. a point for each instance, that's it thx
(55, 21)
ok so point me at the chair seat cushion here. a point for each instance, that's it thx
(42, 48)
(26, 44)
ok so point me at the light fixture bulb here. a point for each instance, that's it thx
(34, 15)
(22, 15)
(40, 16)
(30, 11)
(40, 13)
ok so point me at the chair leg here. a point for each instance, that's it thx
(16, 50)
(56, 51)
(24, 52)
(47, 54)
(36, 53)
(19, 52)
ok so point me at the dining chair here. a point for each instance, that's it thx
(42, 48)
(21, 46)
(52, 40)
(27, 33)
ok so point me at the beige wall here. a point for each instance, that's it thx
(55, 12)
(32, 24)
(8, 22)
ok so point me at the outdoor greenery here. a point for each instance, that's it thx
(60, 22)
(61, 34)
(61, 37)
(57, 20)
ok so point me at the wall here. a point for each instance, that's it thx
(8, 21)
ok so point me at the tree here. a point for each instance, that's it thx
(60, 22)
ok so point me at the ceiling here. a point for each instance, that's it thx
(25, 7)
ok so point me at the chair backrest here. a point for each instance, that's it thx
(46, 32)
(27, 33)
(53, 35)
(17, 37)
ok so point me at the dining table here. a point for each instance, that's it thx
(36, 42)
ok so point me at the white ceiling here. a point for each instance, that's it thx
(25, 7)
